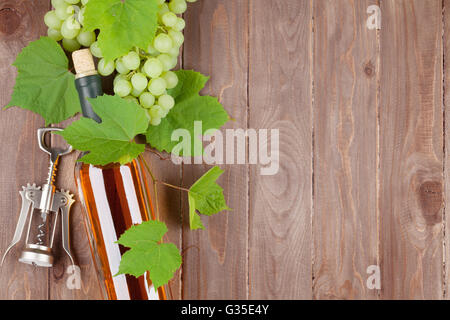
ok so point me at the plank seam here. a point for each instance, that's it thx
(444, 245)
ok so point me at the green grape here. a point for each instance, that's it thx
(155, 121)
(136, 93)
(157, 86)
(163, 9)
(166, 61)
(72, 1)
(171, 79)
(119, 77)
(166, 102)
(63, 11)
(180, 25)
(161, 2)
(147, 100)
(139, 81)
(163, 43)
(120, 67)
(131, 61)
(84, 2)
(54, 34)
(70, 28)
(81, 15)
(86, 38)
(52, 21)
(153, 67)
(156, 111)
(174, 52)
(95, 50)
(177, 6)
(169, 19)
(105, 68)
(191, 1)
(71, 44)
(152, 51)
(122, 88)
(58, 3)
(132, 99)
(177, 37)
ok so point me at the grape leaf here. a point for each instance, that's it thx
(123, 25)
(147, 254)
(112, 139)
(44, 83)
(206, 197)
(189, 107)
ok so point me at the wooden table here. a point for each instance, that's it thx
(363, 166)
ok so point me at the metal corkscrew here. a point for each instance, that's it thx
(41, 206)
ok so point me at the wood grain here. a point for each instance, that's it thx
(215, 259)
(411, 150)
(22, 160)
(446, 111)
(280, 98)
(345, 150)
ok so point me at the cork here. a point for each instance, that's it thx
(83, 63)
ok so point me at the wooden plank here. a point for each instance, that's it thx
(446, 44)
(411, 150)
(22, 161)
(280, 98)
(215, 263)
(345, 153)
(60, 274)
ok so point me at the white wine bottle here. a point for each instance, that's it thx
(114, 198)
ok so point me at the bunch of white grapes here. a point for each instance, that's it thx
(144, 74)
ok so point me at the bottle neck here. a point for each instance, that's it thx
(89, 87)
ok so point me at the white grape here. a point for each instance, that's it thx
(178, 6)
(52, 21)
(84, 2)
(180, 25)
(152, 51)
(72, 1)
(174, 52)
(155, 121)
(120, 67)
(139, 81)
(177, 37)
(163, 9)
(156, 111)
(132, 99)
(136, 93)
(153, 67)
(157, 86)
(131, 61)
(63, 11)
(119, 77)
(169, 19)
(71, 44)
(105, 68)
(122, 88)
(160, 2)
(58, 3)
(70, 28)
(163, 43)
(81, 15)
(86, 38)
(166, 102)
(166, 61)
(171, 79)
(147, 99)
(191, 0)
(54, 34)
(95, 50)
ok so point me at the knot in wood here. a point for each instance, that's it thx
(9, 20)
(430, 197)
(369, 69)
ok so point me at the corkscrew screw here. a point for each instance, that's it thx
(41, 206)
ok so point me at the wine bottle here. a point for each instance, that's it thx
(114, 197)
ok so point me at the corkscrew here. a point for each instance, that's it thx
(41, 206)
